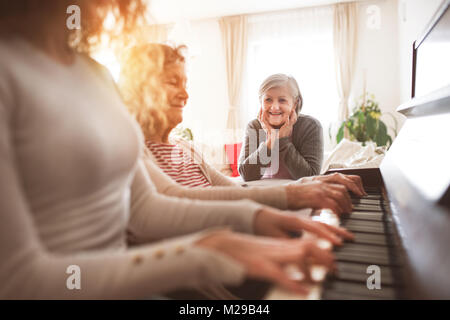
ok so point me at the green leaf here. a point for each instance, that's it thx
(340, 133)
(189, 134)
(371, 127)
(361, 117)
(351, 129)
(183, 133)
(382, 136)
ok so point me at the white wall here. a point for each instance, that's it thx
(377, 61)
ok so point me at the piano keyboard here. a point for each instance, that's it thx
(374, 244)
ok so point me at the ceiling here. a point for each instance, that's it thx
(167, 11)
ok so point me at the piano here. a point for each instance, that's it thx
(403, 225)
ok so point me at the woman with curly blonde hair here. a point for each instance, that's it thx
(74, 190)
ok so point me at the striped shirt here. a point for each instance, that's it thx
(178, 164)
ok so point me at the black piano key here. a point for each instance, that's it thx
(386, 272)
(372, 213)
(357, 272)
(375, 251)
(373, 197)
(363, 223)
(368, 259)
(372, 255)
(367, 207)
(373, 193)
(368, 238)
(364, 215)
(358, 290)
(371, 226)
(376, 196)
(367, 248)
(366, 201)
(366, 229)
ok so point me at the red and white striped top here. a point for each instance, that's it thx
(178, 164)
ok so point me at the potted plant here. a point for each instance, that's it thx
(364, 124)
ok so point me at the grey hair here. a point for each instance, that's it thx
(281, 80)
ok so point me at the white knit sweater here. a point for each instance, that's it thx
(69, 170)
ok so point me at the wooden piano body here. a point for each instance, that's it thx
(414, 176)
(414, 181)
(422, 225)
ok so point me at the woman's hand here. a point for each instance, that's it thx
(286, 128)
(351, 182)
(274, 223)
(271, 133)
(319, 195)
(265, 258)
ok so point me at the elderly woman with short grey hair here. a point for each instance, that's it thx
(281, 143)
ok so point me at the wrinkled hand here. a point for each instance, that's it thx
(271, 132)
(274, 223)
(351, 182)
(319, 195)
(264, 123)
(286, 128)
(265, 258)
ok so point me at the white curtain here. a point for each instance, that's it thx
(345, 48)
(234, 37)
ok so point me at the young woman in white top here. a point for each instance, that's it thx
(74, 190)
(185, 173)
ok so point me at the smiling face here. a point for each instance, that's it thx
(277, 104)
(174, 84)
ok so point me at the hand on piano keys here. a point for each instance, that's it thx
(373, 245)
(274, 223)
(317, 273)
(325, 192)
(353, 183)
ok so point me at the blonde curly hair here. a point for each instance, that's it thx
(142, 68)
